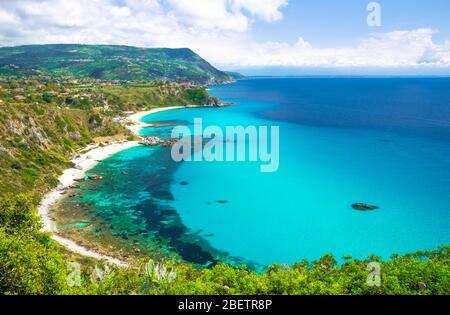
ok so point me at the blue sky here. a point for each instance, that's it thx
(342, 23)
(281, 36)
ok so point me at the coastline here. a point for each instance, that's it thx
(87, 158)
(136, 118)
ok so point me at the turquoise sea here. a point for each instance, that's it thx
(381, 141)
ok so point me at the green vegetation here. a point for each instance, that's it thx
(140, 97)
(235, 75)
(44, 121)
(109, 63)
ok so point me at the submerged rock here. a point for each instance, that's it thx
(364, 207)
(95, 177)
(169, 143)
(82, 225)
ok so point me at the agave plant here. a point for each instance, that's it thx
(160, 272)
(99, 273)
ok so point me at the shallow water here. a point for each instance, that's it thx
(384, 142)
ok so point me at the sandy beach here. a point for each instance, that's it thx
(137, 118)
(85, 160)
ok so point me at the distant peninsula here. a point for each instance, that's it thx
(110, 62)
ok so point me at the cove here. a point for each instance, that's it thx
(376, 141)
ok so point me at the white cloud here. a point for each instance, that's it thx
(268, 10)
(207, 14)
(393, 49)
(216, 29)
(233, 15)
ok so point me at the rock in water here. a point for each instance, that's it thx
(364, 207)
(151, 141)
(95, 177)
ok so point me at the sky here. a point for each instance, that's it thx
(251, 36)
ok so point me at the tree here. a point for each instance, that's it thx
(18, 214)
(29, 264)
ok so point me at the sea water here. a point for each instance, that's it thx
(380, 141)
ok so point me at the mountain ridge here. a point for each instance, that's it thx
(110, 62)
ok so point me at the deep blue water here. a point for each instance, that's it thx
(382, 141)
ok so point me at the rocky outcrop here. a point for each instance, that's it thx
(364, 207)
(153, 141)
(75, 135)
(95, 177)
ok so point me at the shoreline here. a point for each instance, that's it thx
(136, 118)
(85, 160)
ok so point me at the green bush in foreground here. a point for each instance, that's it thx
(17, 213)
(32, 263)
(29, 264)
(29, 261)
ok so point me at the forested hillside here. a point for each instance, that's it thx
(44, 121)
(110, 63)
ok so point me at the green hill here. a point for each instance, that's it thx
(43, 122)
(110, 63)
